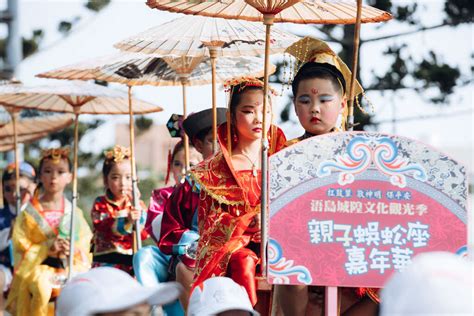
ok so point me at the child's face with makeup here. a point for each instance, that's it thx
(318, 105)
(248, 117)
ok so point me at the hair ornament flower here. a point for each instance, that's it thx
(55, 154)
(117, 154)
(244, 82)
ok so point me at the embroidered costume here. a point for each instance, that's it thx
(155, 211)
(228, 213)
(34, 232)
(7, 215)
(113, 232)
(179, 226)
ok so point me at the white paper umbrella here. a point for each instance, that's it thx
(34, 126)
(292, 11)
(28, 130)
(7, 144)
(71, 97)
(134, 69)
(195, 36)
(142, 69)
(31, 129)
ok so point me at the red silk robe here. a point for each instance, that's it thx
(225, 211)
(158, 200)
(113, 230)
(178, 219)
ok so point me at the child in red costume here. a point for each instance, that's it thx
(113, 214)
(229, 208)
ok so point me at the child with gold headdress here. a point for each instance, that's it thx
(41, 239)
(230, 190)
(320, 90)
(113, 214)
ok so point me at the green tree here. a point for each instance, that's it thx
(431, 71)
(97, 5)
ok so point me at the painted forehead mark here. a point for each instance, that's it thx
(314, 91)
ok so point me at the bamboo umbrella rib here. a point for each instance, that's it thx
(303, 16)
(236, 33)
(210, 5)
(202, 28)
(116, 105)
(241, 10)
(299, 14)
(344, 8)
(7, 145)
(329, 11)
(91, 107)
(11, 100)
(42, 103)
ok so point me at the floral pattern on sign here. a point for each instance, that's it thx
(463, 253)
(380, 153)
(387, 160)
(303, 161)
(356, 160)
(281, 270)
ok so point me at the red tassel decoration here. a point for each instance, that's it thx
(168, 168)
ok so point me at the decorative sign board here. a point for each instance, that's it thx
(349, 209)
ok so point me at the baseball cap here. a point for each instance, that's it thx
(436, 283)
(106, 289)
(26, 170)
(217, 295)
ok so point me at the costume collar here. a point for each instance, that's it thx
(109, 198)
(217, 177)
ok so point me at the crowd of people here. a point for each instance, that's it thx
(205, 227)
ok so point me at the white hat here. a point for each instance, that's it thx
(436, 283)
(107, 289)
(217, 295)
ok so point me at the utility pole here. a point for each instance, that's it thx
(14, 53)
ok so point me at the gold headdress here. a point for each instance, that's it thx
(311, 49)
(117, 154)
(245, 82)
(55, 154)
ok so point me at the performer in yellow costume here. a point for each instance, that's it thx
(41, 239)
